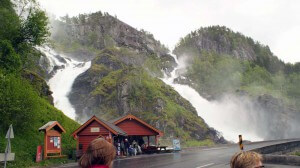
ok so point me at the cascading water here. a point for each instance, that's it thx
(64, 71)
(226, 117)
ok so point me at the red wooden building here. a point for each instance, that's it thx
(52, 138)
(134, 126)
(127, 126)
(94, 128)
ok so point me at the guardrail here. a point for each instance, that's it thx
(274, 154)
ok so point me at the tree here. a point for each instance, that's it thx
(34, 30)
(9, 59)
(20, 33)
(9, 21)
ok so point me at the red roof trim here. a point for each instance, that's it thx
(53, 125)
(130, 116)
(94, 118)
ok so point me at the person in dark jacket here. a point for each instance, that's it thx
(122, 148)
(126, 143)
(99, 154)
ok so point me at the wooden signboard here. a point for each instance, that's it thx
(52, 139)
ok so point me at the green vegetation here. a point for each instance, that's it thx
(215, 73)
(23, 100)
(223, 37)
(124, 88)
(297, 153)
(198, 143)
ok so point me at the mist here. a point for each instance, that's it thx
(256, 118)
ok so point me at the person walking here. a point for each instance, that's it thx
(99, 154)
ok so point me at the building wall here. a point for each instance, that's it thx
(94, 124)
(86, 135)
(133, 127)
(85, 140)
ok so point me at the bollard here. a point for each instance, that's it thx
(241, 143)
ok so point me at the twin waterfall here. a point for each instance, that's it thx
(227, 118)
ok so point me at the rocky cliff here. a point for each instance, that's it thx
(82, 37)
(114, 87)
(123, 77)
(220, 62)
(224, 41)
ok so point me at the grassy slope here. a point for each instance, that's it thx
(22, 106)
(216, 73)
(143, 95)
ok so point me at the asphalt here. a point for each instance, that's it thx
(213, 157)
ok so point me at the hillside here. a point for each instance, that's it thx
(25, 98)
(83, 37)
(220, 62)
(123, 76)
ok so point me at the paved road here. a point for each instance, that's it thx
(215, 157)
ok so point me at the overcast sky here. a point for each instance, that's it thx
(272, 22)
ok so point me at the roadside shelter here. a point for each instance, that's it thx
(126, 127)
(137, 128)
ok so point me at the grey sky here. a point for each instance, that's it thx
(272, 22)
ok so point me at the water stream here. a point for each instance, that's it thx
(64, 70)
(228, 117)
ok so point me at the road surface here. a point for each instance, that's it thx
(214, 157)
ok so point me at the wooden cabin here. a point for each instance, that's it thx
(52, 139)
(127, 127)
(133, 126)
(93, 129)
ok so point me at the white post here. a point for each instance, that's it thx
(10, 134)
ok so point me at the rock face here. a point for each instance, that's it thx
(220, 63)
(82, 36)
(123, 76)
(113, 87)
(223, 41)
(39, 84)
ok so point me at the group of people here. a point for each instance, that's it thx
(125, 148)
(100, 154)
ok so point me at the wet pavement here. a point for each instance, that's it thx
(214, 157)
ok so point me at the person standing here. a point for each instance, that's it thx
(134, 145)
(126, 144)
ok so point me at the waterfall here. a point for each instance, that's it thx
(63, 71)
(228, 117)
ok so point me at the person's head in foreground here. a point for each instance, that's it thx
(99, 154)
(246, 160)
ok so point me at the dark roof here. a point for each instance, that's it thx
(46, 125)
(49, 125)
(116, 119)
(114, 127)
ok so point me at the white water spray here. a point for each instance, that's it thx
(63, 79)
(228, 116)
